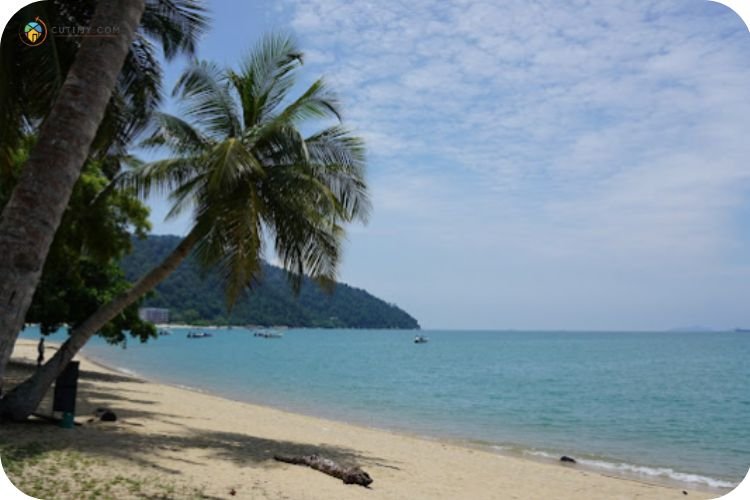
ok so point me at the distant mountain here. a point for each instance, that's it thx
(192, 297)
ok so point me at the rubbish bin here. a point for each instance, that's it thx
(66, 389)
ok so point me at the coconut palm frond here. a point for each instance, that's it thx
(266, 77)
(177, 135)
(176, 24)
(339, 159)
(208, 99)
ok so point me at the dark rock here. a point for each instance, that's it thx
(684, 492)
(566, 458)
(108, 416)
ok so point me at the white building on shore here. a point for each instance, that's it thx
(154, 315)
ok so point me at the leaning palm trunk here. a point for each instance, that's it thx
(19, 403)
(33, 213)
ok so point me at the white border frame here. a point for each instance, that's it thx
(9, 7)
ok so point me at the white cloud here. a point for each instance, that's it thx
(615, 131)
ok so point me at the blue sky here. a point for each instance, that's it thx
(560, 164)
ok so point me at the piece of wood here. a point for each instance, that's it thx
(350, 475)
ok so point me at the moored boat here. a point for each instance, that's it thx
(268, 335)
(198, 335)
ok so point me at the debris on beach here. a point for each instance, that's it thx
(104, 415)
(350, 475)
(108, 416)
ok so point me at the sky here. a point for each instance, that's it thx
(534, 164)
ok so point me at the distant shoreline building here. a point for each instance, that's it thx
(154, 315)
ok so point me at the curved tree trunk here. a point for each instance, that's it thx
(19, 403)
(33, 213)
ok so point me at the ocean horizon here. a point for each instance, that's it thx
(658, 406)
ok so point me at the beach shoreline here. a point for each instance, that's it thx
(514, 452)
(388, 455)
(664, 475)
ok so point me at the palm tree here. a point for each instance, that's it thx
(30, 79)
(77, 97)
(248, 174)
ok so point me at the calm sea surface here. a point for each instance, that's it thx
(660, 405)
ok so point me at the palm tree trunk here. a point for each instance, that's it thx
(30, 218)
(19, 403)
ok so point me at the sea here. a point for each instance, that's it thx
(668, 407)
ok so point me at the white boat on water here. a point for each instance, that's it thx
(268, 334)
(421, 339)
(199, 335)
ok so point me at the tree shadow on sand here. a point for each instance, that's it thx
(156, 451)
(19, 370)
(152, 451)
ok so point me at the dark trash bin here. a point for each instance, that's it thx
(66, 388)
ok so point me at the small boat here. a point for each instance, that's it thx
(421, 339)
(163, 333)
(268, 335)
(198, 335)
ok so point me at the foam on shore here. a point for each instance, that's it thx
(642, 471)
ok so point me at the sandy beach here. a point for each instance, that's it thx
(202, 446)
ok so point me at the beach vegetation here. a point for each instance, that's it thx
(82, 270)
(50, 471)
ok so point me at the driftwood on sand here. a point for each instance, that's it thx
(350, 475)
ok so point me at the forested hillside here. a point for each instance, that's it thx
(194, 298)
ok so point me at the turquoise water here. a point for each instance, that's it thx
(658, 405)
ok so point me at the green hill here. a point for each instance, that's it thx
(192, 297)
